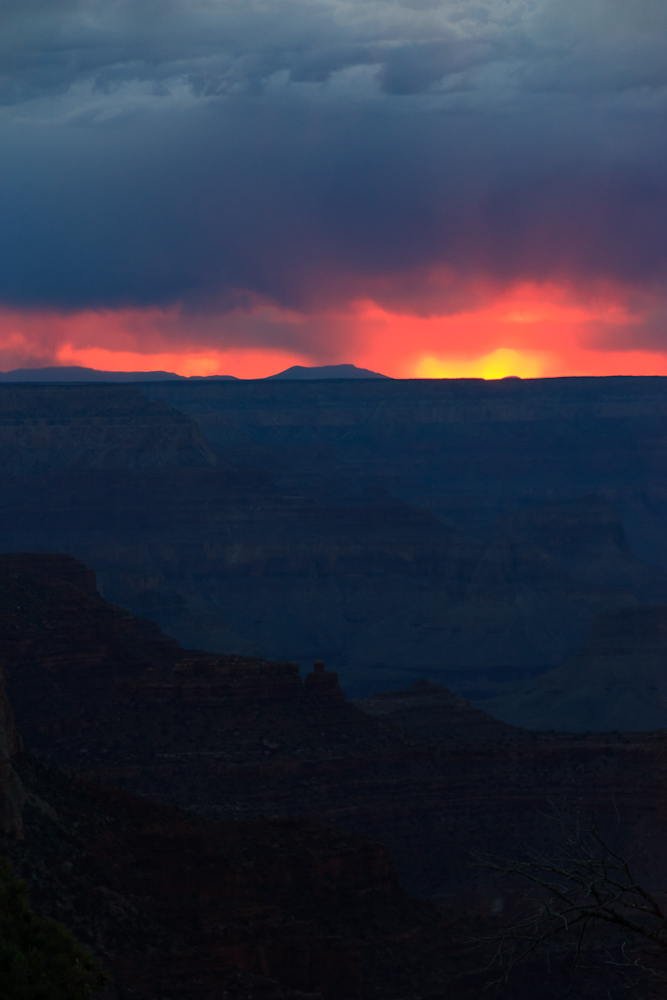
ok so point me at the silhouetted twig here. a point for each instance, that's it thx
(586, 883)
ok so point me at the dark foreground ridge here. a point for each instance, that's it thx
(175, 905)
(183, 908)
(219, 894)
(104, 693)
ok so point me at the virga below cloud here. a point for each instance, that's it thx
(227, 158)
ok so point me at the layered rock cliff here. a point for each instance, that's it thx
(43, 428)
(466, 448)
(382, 590)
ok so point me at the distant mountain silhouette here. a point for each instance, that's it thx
(327, 371)
(76, 373)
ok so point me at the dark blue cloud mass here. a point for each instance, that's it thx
(309, 152)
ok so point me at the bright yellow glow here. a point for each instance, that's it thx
(527, 329)
(497, 364)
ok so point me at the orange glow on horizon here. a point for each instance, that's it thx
(242, 364)
(528, 330)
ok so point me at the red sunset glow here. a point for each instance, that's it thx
(530, 331)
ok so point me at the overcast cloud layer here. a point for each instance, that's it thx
(312, 152)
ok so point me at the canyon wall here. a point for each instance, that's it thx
(43, 428)
(298, 521)
(466, 448)
(619, 677)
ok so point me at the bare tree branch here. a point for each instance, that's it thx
(585, 885)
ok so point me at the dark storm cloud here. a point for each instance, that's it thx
(234, 45)
(311, 151)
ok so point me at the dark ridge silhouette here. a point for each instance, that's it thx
(220, 898)
(176, 906)
(107, 694)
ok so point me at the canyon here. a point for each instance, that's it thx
(464, 532)
(148, 770)
(105, 694)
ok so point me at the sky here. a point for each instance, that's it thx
(423, 188)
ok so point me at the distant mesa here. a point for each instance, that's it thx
(76, 373)
(327, 371)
